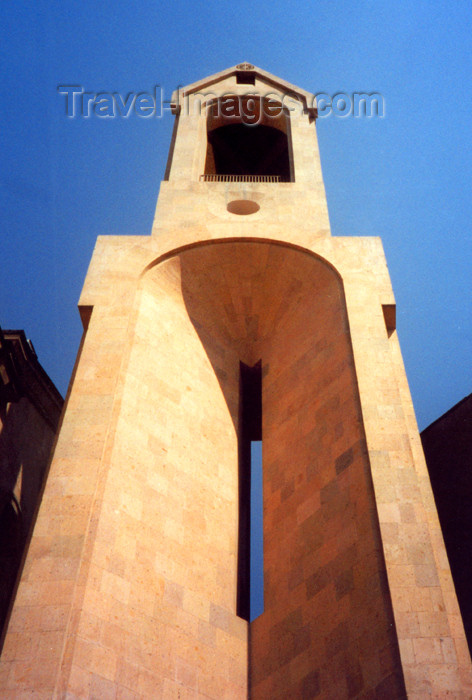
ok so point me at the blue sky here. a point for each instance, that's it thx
(405, 178)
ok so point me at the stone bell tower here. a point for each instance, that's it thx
(239, 318)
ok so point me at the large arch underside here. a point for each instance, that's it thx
(327, 629)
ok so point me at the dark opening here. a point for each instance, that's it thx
(244, 149)
(245, 77)
(250, 432)
(249, 136)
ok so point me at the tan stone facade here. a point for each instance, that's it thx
(130, 587)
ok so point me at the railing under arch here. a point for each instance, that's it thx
(213, 177)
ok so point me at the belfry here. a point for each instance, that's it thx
(239, 319)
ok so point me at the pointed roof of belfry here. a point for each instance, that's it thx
(307, 98)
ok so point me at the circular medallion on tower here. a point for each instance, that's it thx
(243, 207)
(245, 66)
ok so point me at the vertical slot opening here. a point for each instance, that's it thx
(256, 574)
(250, 554)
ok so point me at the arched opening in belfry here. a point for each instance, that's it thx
(248, 139)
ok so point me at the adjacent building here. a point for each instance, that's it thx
(447, 445)
(30, 408)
